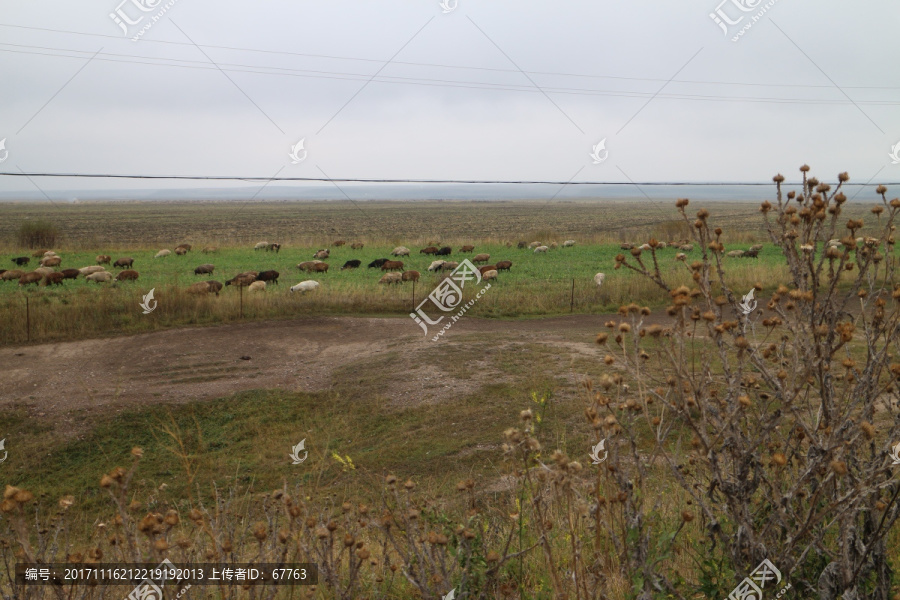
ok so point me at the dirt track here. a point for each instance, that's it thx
(57, 379)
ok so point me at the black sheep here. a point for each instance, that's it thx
(351, 264)
(376, 264)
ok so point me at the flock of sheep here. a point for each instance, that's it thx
(48, 275)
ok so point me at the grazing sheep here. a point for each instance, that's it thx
(686, 247)
(481, 258)
(11, 274)
(305, 286)
(242, 279)
(504, 265)
(389, 278)
(376, 264)
(486, 268)
(445, 251)
(751, 253)
(124, 262)
(436, 265)
(338, 243)
(488, 275)
(51, 261)
(351, 264)
(273, 247)
(541, 249)
(568, 243)
(320, 268)
(163, 253)
(100, 277)
(210, 250)
(21, 260)
(392, 265)
(400, 251)
(357, 245)
(91, 269)
(257, 286)
(103, 259)
(756, 247)
(214, 286)
(645, 247)
(269, 276)
(735, 254)
(322, 254)
(261, 246)
(428, 250)
(180, 251)
(553, 246)
(449, 265)
(201, 287)
(204, 270)
(185, 247)
(834, 243)
(50, 253)
(53, 278)
(598, 278)
(410, 276)
(509, 244)
(38, 253)
(70, 273)
(44, 270)
(33, 277)
(467, 248)
(521, 245)
(533, 245)
(308, 265)
(127, 276)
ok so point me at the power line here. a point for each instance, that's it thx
(445, 66)
(419, 181)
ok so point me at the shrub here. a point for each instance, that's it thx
(38, 234)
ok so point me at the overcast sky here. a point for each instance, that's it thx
(488, 90)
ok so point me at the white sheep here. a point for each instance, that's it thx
(400, 251)
(163, 253)
(50, 253)
(436, 265)
(541, 249)
(261, 246)
(568, 243)
(91, 269)
(305, 286)
(100, 277)
(598, 278)
(645, 247)
(533, 245)
(257, 286)
(488, 275)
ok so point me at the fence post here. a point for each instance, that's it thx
(572, 297)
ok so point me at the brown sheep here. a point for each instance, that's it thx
(70, 273)
(389, 278)
(204, 270)
(410, 276)
(357, 245)
(449, 265)
(392, 265)
(242, 279)
(186, 247)
(210, 250)
(103, 259)
(11, 274)
(38, 253)
(481, 258)
(214, 287)
(428, 250)
(268, 276)
(127, 276)
(339, 243)
(44, 270)
(201, 287)
(322, 254)
(121, 263)
(30, 278)
(308, 265)
(504, 265)
(274, 247)
(467, 248)
(488, 275)
(180, 251)
(54, 278)
(319, 268)
(486, 268)
(51, 261)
